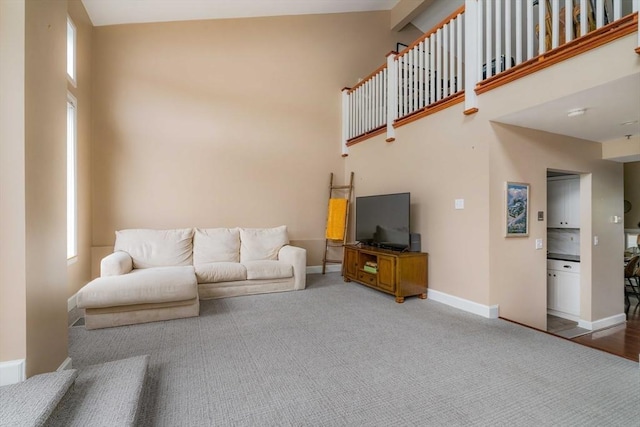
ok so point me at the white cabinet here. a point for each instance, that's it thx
(563, 289)
(563, 202)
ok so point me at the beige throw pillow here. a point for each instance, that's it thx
(216, 245)
(262, 243)
(156, 248)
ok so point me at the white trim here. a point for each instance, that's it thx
(67, 364)
(317, 269)
(12, 372)
(74, 52)
(488, 311)
(72, 302)
(607, 322)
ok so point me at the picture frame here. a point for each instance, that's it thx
(400, 47)
(516, 209)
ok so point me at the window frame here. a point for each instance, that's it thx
(72, 51)
(72, 177)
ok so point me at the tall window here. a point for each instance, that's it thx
(72, 209)
(71, 51)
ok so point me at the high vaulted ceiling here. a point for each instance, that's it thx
(111, 12)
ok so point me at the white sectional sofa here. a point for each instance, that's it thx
(162, 274)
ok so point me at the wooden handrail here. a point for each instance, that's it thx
(369, 77)
(433, 108)
(367, 135)
(429, 33)
(603, 35)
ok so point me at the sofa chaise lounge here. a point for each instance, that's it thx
(157, 275)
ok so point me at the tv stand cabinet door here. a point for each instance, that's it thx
(387, 273)
(350, 264)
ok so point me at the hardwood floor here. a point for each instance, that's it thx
(622, 340)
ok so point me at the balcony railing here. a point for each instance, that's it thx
(465, 54)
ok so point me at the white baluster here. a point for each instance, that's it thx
(438, 65)
(432, 69)
(498, 40)
(518, 32)
(445, 60)
(400, 86)
(507, 33)
(452, 57)
(479, 37)
(410, 82)
(568, 20)
(407, 83)
(472, 52)
(416, 77)
(381, 96)
(392, 95)
(345, 121)
(542, 35)
(617, 9)
(366, 108)
(530, 29)
(421, 74)
(583, 17)
(383, 110)
(555, 23)
(599, 13)
(459, 53)
(488, 42)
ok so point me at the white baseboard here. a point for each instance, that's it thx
(67, 364)
(488, 311)
(72, 302)
(331, 268)
(607, 322)
(12, 372)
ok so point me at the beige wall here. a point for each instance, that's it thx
(517, 269)
(45, 170)
(225, 123)
(632, 194)
(450, 156)
(35, 326)
(12, 182)
(79, 272)
(437, 160)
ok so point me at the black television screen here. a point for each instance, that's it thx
(383, 220)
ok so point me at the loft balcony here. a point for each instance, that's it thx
(481, 46)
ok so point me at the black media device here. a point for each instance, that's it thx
(383, 221)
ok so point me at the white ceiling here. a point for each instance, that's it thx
(607, 107)
(111, 12)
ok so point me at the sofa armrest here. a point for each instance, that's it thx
(116, 264)
(298, 258)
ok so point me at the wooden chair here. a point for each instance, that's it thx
(631, 281)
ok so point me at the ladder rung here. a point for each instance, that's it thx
(340, 187)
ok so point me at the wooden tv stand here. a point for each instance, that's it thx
(401, 274)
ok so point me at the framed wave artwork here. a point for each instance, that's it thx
(517, 209)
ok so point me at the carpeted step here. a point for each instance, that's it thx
(107, 394)
(31, 402)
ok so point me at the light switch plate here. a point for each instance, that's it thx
(538, 243)
(459, 203)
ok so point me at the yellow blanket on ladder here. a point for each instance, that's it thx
(336, 219)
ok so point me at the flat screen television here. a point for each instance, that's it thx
(383, 221)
